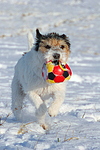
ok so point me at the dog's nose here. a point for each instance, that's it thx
(56, 56)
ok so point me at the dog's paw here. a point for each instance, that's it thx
(52, 111)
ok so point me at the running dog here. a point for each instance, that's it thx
(28, 78)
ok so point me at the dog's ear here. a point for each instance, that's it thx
(38, 34)
(38, 39)
(63, 36)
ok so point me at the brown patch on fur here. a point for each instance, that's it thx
(54, 44)
(42, 46)
(67, 54)
(24, 53)
(44, 126)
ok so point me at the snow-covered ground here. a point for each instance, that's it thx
(77, 126)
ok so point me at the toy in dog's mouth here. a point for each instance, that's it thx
(55, 62)
(56, 72)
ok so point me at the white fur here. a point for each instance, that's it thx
(28, 80)
(49, 54)
(31, 40)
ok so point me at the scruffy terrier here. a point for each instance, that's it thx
(28, 78)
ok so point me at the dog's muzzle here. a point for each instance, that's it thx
(56, 56)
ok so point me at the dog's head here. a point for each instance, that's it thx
(53, 46)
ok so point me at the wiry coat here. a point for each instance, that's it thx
(28, 80)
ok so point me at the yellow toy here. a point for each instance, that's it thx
(56, 72)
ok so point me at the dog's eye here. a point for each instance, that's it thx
(62, 46)
(47, 47)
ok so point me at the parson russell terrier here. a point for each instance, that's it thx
(28, 78)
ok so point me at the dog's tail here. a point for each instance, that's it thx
(30, 40)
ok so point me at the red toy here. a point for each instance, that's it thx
(56, 72)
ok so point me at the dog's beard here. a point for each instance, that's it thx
(49, 56)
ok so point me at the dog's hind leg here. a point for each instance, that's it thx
(17, 98)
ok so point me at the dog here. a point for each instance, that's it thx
(28, 78)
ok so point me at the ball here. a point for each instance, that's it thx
(56, 72)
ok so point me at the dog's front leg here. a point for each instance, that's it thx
(58, 98)
(40, 107)
(39, 104)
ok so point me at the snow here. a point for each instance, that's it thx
(77, 126)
